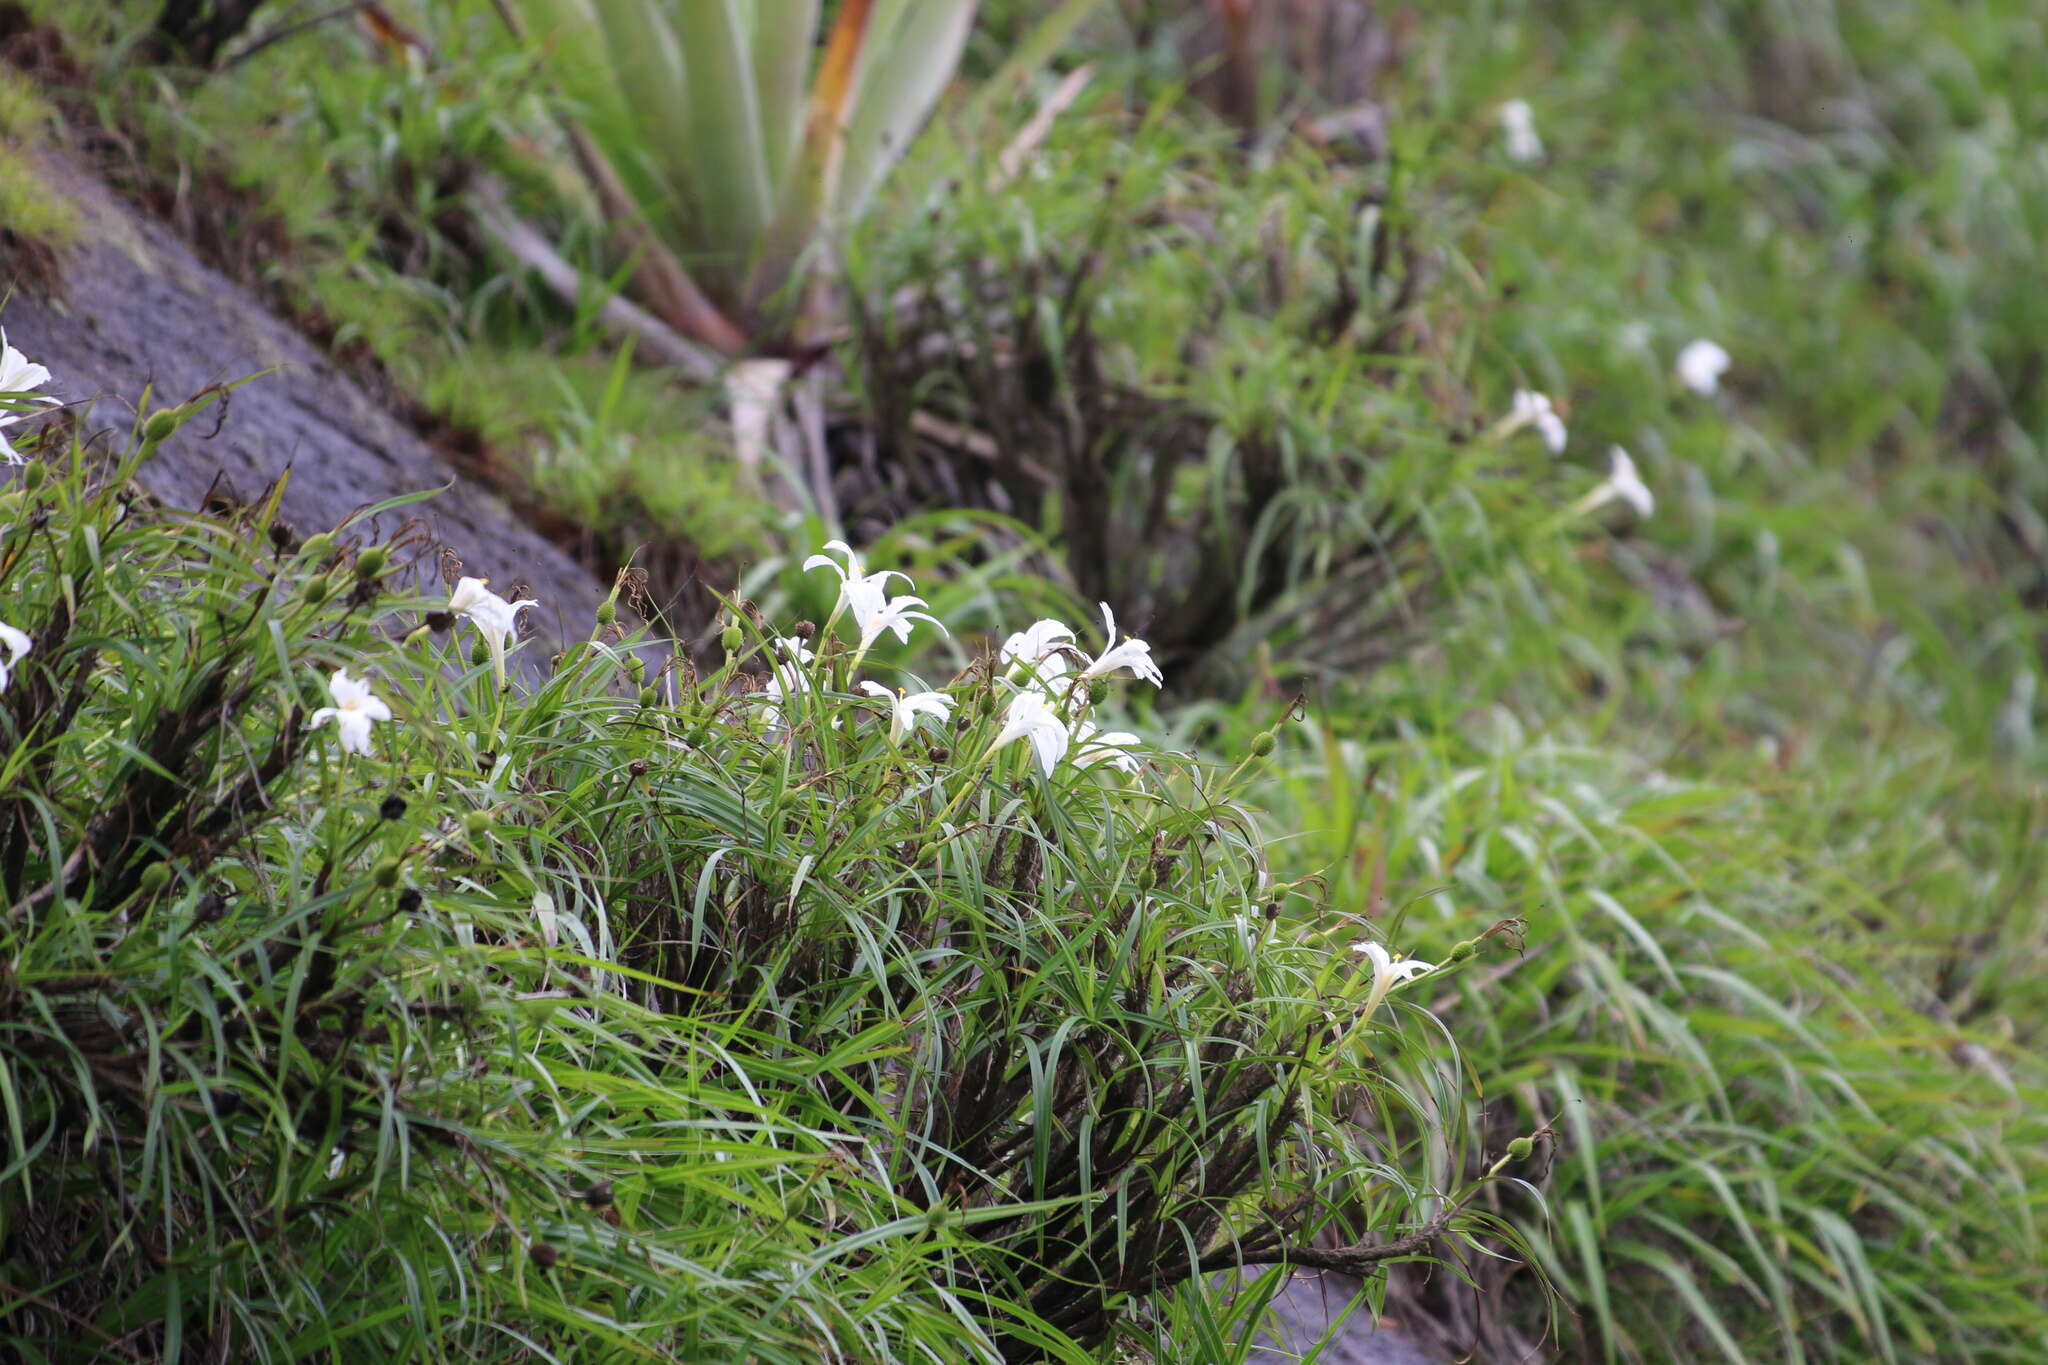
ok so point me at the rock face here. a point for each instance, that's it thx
(133, 309)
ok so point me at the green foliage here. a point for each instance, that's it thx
(408, 1017)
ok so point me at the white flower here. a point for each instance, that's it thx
(18, 376)
(1701, 365)
(1093, 746)
(1622, 482)
(788, 676)
(1518, 131)
(492, 614)
(1534, 408)
(1133, 654)
(865, 597)
(906, 707)
(1030, 718)
(1039, 650)
(352, 713)
(17, 644)
(1388, 972)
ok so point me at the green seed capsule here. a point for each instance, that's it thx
(1263, 743)
(159, 426)
(731, 637)
(315, 590)
(154, 878)
(648, 696)
(476, 823)
(636, 668)
(607, 612)
(317, 547)
(371, 561)
(32, 477)
(1469, 948)
(385, 873)
(1519, 1149)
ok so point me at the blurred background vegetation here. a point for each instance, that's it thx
(1212, 310)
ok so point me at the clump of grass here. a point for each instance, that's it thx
(635, 1011)
(34, 220)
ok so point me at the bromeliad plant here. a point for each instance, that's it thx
(707, 1018)
(728, 141)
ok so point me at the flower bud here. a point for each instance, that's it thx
(607, 612)
(1519, 1149)
(371, 561)
(385, 873)
(1263, 742)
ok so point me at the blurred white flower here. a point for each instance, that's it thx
(1388, 972)
(1533, 409)
(906, 707)
(1701, 365)
(18, 378)
(1093, 746)
(1030, 718)
(1133, 654)
(352, 713)
(1623, 483)
(1040, 650)
(17, 644)
(492, 614)
(1518, 132)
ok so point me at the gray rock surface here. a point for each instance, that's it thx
(133, 309)
(1302, 1314)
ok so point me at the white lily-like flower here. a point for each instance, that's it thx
(1518, 132)
(906, 707)
(1030, 718)
(787, 677)
(19, 377)
(865, 597)
(894, 615)
(16, 643)
(1533, 409)
(1700, 366)
(1039, 650)
(492, 614)
(1093, 746)
(354, 709)
(1133, 654)
(1623, 483)
(1388, 972)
